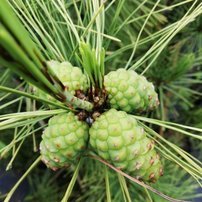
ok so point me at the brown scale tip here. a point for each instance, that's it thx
(83, 147)
(161, 171)
(69, 155)
(138, 166)
(150, 145)
(157, 102)
(151, 161)
(150, 97)
(66, 166)
(132, 137)
(56, 160)
(66, 87)
(151, 176)
(78, 158)
(153, 180)
(80, 94)
(82, 115)
(53, 168)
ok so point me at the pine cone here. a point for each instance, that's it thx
(64, 140)
(117, 138)
(129, 91)
(71, 77)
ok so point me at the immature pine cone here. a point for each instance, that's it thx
(64, 140)
(117, 138)
(71, 77)
(129, 91)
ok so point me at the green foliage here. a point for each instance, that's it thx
(174, 66)
(43, 187)
(94, 66)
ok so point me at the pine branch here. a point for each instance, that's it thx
(21, 55)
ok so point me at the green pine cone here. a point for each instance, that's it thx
(63, 141)
(129, 91)
(71, 77)
(117, 138)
